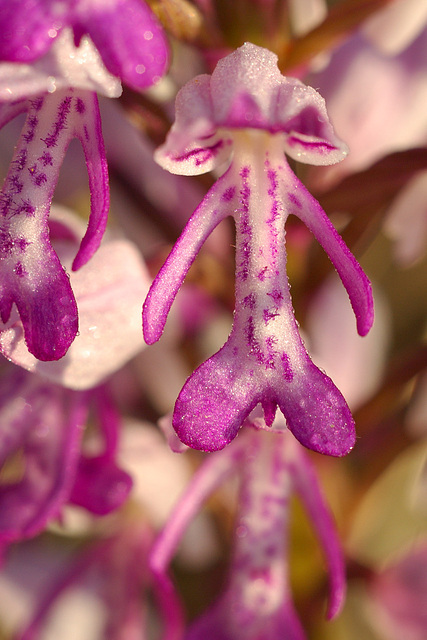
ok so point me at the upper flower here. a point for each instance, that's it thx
(126, 33)
(248, 114)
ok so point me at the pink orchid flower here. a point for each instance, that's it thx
(256, 603)
(246, 116)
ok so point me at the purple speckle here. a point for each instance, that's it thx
(16, 185)
(6, 243)
(276, 295)
(269, 315)
(40, 179)
(63, 110)
(21, 160)
(228, 194)
(261, 274)
(86, 132)
(27, 208)
(294, 200)
(20, 270)
(46, 159)
(255, 348)
(249, 301)
(22, 244)
(37, 103)
(80, 106)
(287, 371)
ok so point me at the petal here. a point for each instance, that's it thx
(214, 470)
(101, 486)
(215, 401)
(32, 274)
(28, 28)
(394, 28)
(45, 303)
(316, 412)
(63, 66)
(129, 37)
(301, 114)
(307, 485)
(192, 146)
(244, 86)
(87, 128)
(215, 206)
(197, 158)
(304, 206)
(49, 435)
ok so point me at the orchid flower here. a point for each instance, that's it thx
(126, 33)
(42, 427)
(256, 603)
(248, 115)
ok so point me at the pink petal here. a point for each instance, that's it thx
(49, 434)
(307, 485)
(129, 38)
(214, 207)
(27, 27)
(87, 128)
(304, 206)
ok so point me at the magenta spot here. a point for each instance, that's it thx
(27, 208)
(46, 159)
(228, 194)
(52, 139)
(276, 295)
(22, 244)
(6, 243)
(5, 203)
(86, 132)
(254, 346)
(201, 155)
(292, 198)
(249, 301)
(287, 371)
(321, 146)
(21, 160)
(261, 275)
(40, 179)
(269, 315)
(245, 171)
(20, 270)
(80, 106)
(16, 185)
(37, 103)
